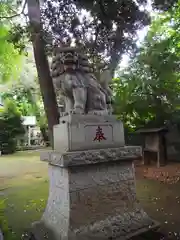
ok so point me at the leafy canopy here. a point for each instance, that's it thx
(10, 59)
(147, 92)
(107, 28)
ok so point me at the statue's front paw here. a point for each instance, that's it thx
(63, 114)
(77, 111)
(98, 112)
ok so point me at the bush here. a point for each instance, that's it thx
(10, 127)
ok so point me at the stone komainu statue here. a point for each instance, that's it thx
(74, 78)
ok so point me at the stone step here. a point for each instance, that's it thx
(150, 235)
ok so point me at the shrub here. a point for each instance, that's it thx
(10, 127)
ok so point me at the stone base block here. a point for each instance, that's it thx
(84, 132)
(1, 235)
(93, 200)
(121, 227)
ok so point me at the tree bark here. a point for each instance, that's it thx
(42, 65)
(44, 135)
(113, 63)
(116, 48)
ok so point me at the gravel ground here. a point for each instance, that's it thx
(158, 189)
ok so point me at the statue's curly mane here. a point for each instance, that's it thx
(73, 76)
(70, 64)
(69, 60)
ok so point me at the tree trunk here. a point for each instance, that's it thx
(44, 135)
(42, 65)
(113, 64)
(115, 50)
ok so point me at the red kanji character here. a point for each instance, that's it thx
(99, 135)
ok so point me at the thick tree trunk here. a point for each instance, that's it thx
(42, 65)
(115, 51)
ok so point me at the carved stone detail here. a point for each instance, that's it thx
(92, 156)
(74, 79)
(1, 235)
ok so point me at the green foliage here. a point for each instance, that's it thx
(3, 222)
(147, 92)
(23, 98)
(106, 28)
(9, 56)
(28, 100)
(25, 92)
(10, 127)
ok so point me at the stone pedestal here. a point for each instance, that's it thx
(92, 192)
(1, 235)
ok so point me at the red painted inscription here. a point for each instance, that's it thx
(99, 135)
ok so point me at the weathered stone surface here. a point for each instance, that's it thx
(119, 227)
(87, 118)
(58, 177)
(81, 135)
(94, 202)
(92, 156)
(99, 175)
(1, 235)
(92, 191)
(74, 79)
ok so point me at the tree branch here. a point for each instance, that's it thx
(17, 14)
